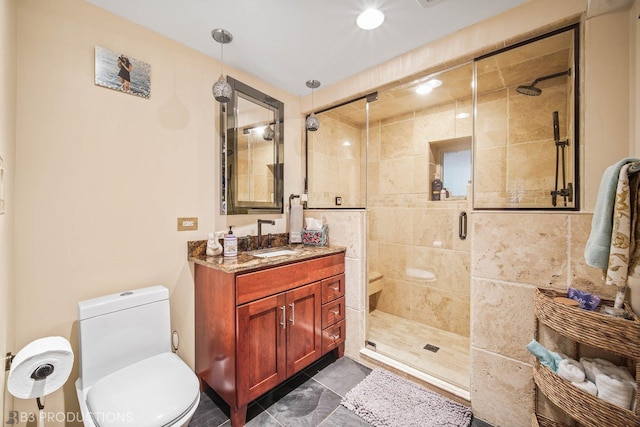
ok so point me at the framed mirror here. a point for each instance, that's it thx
(252, 152)
(526, 125)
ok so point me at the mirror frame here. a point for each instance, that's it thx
(574, 136)
(229, 139)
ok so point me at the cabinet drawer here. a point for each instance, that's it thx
(332, 288)
(332, 312)
(262, 283)
(332, 336)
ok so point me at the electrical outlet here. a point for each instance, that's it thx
(185, 224)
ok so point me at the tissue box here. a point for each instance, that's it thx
(316, 237)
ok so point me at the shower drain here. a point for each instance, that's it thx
(431, 347)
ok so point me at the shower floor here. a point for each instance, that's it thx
(404, 340)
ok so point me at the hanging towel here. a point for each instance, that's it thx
(295, 224)
(596, 252)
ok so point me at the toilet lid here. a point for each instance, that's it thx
(151, 393)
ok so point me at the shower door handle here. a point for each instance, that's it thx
(462, 225)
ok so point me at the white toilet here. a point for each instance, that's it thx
(128, 374)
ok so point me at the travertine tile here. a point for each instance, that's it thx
(444, 310)
(396, 140)
(504, 322)
(497, 254)
(502, 389)
(395, 298)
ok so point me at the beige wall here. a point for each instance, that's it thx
(7, 152)
(102, 176)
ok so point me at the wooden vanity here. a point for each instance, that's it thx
(259, 321)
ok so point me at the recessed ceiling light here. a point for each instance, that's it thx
(434, 83)
(462, 115)
(370, 19)
(346, 144)
(424, 89)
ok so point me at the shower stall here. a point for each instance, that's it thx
(381, 153)
(418, 253)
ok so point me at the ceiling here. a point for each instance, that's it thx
(292, 41)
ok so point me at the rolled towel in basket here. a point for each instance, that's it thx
(593, 367)
(587, 386)
(615, 389)
(571, 370)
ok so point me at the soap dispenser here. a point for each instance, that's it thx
(230, 244)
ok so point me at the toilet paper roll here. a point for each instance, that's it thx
(40, 368)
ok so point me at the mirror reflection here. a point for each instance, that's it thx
(525, 139)
(253, 152)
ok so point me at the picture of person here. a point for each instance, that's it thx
(125, 73)
(119, 71)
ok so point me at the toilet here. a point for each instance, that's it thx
(128, 374)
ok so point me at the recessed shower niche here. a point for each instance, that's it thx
(525, 131)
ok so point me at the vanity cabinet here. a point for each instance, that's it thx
(256, 328)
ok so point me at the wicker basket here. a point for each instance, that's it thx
(593, 328)
(542, 421)
(618, 336)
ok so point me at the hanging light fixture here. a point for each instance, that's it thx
(221, 89)
(268, 133)
(312, 121)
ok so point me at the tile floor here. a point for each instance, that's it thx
(404, 340)
(310, 398)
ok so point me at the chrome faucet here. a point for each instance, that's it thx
(260, 222)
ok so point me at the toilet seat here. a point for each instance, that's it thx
(154, 392)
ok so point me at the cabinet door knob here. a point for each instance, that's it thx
(284, 316)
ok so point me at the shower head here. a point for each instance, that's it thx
(532, 90)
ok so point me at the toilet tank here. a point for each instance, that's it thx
(117, 330)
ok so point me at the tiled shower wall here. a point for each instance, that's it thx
(407, 230)
(512, 254)
(336, 156)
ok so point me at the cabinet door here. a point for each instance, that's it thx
(261, 347)
(304, 330)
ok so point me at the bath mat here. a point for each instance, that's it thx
(384, 399)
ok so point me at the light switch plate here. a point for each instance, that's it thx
(185, 224)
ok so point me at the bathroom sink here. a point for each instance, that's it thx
(272, 253)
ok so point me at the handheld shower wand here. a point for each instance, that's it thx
(567, 191)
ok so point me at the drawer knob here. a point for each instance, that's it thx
(335, 337)
(336, 312)
(335, 288)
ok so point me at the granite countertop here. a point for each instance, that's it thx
(245, 261)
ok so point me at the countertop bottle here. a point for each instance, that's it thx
(436, 188)
(230, 244)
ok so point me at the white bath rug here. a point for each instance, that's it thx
(384, 399)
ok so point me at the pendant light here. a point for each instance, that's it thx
(268, 133)
(221, 89)
(312, 121)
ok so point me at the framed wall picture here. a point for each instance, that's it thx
(121, 72)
